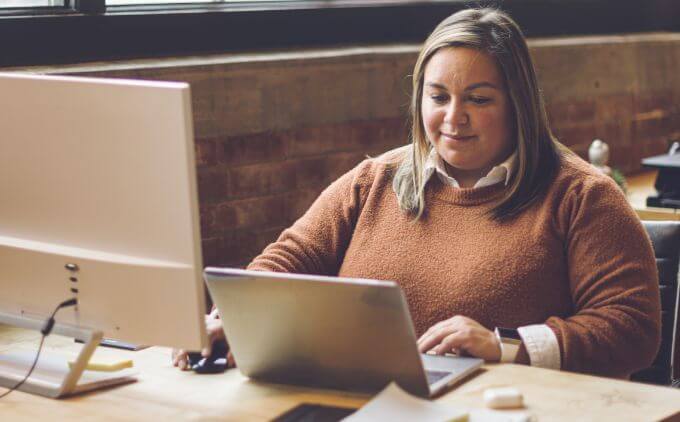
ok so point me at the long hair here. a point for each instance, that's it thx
(538, 152)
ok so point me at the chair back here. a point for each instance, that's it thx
(665, 236)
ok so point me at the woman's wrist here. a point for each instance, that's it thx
(523, 356)
(509, 341)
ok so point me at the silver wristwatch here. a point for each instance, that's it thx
(510, 341)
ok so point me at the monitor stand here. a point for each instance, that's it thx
(52, 376)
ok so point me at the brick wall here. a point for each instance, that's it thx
(272, 130)
(253, 186)
(623, 89)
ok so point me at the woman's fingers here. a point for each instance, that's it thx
(429, 341)
(180, 358)
(454, 342)
(231, 363)
(435, 328)
(473, 341)
(215, 333)
(452, 324)
(435, 334)
(460, 334)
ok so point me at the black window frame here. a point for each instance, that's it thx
(84, 31)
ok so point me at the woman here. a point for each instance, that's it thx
(485, 221)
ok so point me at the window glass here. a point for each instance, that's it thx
(30, 3)
(129, 2)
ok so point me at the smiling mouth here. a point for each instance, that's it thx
(457, 137)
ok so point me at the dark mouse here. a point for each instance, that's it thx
(213, 364)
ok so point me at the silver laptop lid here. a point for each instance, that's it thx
(318, 331)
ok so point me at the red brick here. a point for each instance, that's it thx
(394, 132)
(226, 216)
(344, 137)
(614, 107)
(674, 122)
(621, 150)
(235, 246)
(572, 112)
(624, 158)
(258, 148)
(311, 172)
(656, 101)
(652, 128)
(377, 150)
(206, 153)
(207, 220)
(213, 184)
(262, 238)
(298, 203)
(380, 132)
(675, 108)
(650, 146)
(576, 136)
(262, 179)
(367, 133)
(340, 163)
(309, 141)
(211, 249)
(614, 133)
(253, 213)
(239, 247)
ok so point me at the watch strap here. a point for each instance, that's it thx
(510, 342)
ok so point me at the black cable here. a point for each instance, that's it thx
(46, 330)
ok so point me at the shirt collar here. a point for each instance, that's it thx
(500, 173)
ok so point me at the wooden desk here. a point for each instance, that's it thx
(164, 393)
(640, 186)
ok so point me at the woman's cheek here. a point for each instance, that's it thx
(431, 121)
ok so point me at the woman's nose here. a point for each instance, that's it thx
(456, 114)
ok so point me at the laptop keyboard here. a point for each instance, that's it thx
(434, 376)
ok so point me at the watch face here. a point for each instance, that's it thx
(509, 333)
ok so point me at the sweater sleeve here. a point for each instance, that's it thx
(616, 326)
(317, 241)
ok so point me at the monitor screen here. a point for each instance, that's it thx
(99, 202)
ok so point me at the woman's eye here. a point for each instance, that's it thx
(480, 100)
(439, 99)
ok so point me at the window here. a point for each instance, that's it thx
(56, 31)
(31, 3)
(130, 2)
(127, 2)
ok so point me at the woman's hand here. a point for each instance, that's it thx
(213, 325)
(461, 335)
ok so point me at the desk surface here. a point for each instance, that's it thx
(640, 186)
(165, 393)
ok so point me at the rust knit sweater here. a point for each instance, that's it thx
(578, 260)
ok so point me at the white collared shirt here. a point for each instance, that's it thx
(539, 340)
(500, 173)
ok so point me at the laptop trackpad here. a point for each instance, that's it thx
(448, 363)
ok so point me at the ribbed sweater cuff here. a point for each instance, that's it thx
(542, 346)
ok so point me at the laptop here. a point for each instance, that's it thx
(327, 332)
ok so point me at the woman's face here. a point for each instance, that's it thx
(466, 112)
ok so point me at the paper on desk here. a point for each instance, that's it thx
(394, 404)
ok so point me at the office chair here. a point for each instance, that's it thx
(665, 236)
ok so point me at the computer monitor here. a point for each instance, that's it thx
(99, 202)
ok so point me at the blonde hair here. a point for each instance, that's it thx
(495, 33)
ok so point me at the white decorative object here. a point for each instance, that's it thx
(598, 154)
(503, 398)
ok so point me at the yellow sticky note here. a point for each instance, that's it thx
(106, 366)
